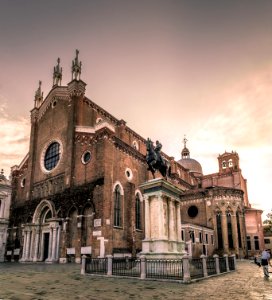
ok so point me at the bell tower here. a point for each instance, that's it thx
(228, 162)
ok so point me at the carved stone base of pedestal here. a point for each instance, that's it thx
(163, 249)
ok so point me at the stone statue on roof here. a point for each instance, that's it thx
(57, 74)
(76, 67)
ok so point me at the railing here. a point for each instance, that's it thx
(211, 266)
(96, 265)
(164, 269)
(231, 263)
(126, 267)
(222, 264)
(196, 268)
(185, 269)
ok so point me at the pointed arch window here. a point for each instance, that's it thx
(230, 163)
(138, 224)
(219, 231)
(230, 239)
(239, 230)
(117, 207)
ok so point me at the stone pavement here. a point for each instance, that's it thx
(42, 281)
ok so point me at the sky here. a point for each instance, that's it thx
(199, 68)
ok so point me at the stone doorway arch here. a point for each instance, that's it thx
(42, 236)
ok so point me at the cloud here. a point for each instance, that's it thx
(14, 135)
(243, 123)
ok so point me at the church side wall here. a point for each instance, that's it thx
(117, 164)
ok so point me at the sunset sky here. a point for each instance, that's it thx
(168, 68)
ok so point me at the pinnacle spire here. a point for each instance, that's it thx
(38, 95)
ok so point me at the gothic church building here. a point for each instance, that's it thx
(77, 190)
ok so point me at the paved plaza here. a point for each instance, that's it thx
(42, 281)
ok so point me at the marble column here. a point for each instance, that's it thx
(27, 245)
(24, 247)
(235, 233)
(160, 223)
(50, 245)
(147, 217)
(36, 247)
(171, 228)
(243, 232)
(178, 218)
(2, 209)
(32, 240)
(54, 243)
(225, 233)
(58, 242)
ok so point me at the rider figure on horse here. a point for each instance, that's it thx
(157, 149)
(155, 160)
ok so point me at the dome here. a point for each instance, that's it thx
(192, 165)
(189, 163)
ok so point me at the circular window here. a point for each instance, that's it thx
(192, 211)
(52, 156)
(54, 104)
(86, 157)
(128, 173)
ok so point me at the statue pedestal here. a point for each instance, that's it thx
(162, 220)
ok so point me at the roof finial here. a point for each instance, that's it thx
(38, 96)
(57, 74)
(185, 153)
(185, 140)
(76, 67)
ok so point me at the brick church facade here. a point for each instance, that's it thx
(77, 190)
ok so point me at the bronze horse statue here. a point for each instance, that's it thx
(154, 159)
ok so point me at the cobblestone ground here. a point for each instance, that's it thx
(41, 281)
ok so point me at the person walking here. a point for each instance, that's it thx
(265, 260)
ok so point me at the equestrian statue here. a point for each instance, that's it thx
(154, 159)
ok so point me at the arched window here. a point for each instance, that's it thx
(238, 230)
(230, 163)
(219, 231)
(117, 207)
(229, 230)
(224, 164)
(138, 224)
